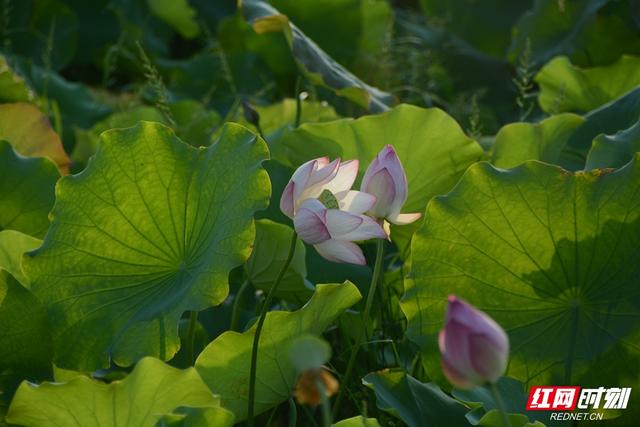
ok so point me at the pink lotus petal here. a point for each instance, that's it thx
(286, 200)
(324, 174)
(309, 223)
(404, 219)
(355, 202)
(381, 185)
(344, 178)
(368, 229)
(341, 251)
(340, 223)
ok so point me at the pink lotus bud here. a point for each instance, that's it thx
(333, 231)
(318, 175)
(474, 348)
(385, 179)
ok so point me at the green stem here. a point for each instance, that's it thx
(293, 413)
(298, 102)
(377, 268)
(191, 337)
(500, 404)
(259, 325)
(326, 407)
(235, 311)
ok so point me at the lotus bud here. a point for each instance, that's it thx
(474, 348)
(385, 179)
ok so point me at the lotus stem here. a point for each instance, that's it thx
(259, 325)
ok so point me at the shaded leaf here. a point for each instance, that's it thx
(26, 191)
(150, 229)
(550, 255)
(141, 399)
(317, 66)
(552, 27)
(566, 87)
(225, 363)
(30, 133)
(614, 151)
(178, 14)
(617, 115)
(417, 404)
(25, 339)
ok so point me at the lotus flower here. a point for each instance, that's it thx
(335, 178)
(333, 232)
(474, 348)
(385, 179)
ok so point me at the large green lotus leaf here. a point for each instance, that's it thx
(617, 115)
(13, 245)
(152, 390)
(150, 229)
(551, 255)
(316, 64)
(270, 251)
(517, 142)
(565, 87)
(225, 363)
(25, 338)
(552, 28)
(417, 404)
(30, 133)
(13, 88)
(461, 17)
(26, 191)
(358, 421)
(614, 151)
(432, 148)
(178, 14)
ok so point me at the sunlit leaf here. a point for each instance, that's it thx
(13, 88)
(152, 390)
(550, 255)
(358, 422)
(13, 245)
(30, 133)
(225, 363)
(148, 230)
(26, 191)
(565, 87)
(545, 141)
